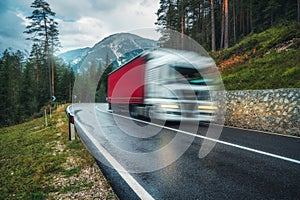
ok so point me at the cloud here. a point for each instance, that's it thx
(83, 32)
(81, 23)
(94, 20)
(12, 25)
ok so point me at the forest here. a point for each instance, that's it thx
(31, 82)
(255, 43)
(219, 24)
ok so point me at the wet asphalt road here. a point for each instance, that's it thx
(151, 162)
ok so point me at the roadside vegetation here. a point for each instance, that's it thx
(38, 162)
(266, 60)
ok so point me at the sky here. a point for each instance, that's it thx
(82, 23)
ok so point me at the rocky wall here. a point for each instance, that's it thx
(276, 111)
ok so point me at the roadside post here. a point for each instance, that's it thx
(72, 130)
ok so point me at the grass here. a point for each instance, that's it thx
(27, 162)
(275, 70)
(266, 60)
(35, 158)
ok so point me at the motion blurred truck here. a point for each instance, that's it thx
(164, 84)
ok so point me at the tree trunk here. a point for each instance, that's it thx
(234, 21)
(251, 16)
(298, 2)
(203, 24)
(182, 23)
(47, 53)
(247, 18)
(52, 66)
(226, 33)
(242, 27)
(213, 37)
(222, 28)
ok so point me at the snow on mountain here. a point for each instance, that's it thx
(118, 47)
(74, 57)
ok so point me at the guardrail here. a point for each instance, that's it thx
(71, 120)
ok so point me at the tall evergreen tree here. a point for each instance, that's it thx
(43, 30)
(10, 81)
(28, 99)
(40, 25)
(41, 74)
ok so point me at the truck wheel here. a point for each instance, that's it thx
(132, 111)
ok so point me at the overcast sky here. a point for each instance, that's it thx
(82, 23)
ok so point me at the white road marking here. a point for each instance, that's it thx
(135, 186)
(270, 133)
(211, 139)
(252, 130)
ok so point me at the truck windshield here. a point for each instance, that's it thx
(189, 74)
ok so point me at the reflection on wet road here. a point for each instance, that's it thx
(148, 161)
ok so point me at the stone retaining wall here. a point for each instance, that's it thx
(275, 111)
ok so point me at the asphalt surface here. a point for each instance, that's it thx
(144, 161)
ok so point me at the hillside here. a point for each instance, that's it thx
(39, 162)
(266, 60)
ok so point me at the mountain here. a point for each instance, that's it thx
(118, 47)
(73, 57)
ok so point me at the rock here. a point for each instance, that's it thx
(286, 101)
(284, 113)
(266, 98)
(278, 120)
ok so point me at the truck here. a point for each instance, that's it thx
(164, 84)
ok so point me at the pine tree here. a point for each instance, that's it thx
(28, 94)
(44, 32)
(41, 20)
(10, 81)
(41, 75)
(272, 7)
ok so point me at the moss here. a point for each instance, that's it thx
(271, 60)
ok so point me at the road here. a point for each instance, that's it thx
(146, 161)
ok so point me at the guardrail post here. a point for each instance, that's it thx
(46, 120)
(72, 130)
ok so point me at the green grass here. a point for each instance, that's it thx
(261, 65)
(275, 70)
(26, 160)
(32, 156)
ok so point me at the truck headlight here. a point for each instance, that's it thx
(207, 107)
(174, 106)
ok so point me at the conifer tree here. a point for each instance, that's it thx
(10, 81)
(28, 99)
(43, 30)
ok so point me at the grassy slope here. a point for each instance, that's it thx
(38, 162)
(266, 60)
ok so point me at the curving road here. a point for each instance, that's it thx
(147, 161)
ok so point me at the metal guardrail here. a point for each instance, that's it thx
(71, 120)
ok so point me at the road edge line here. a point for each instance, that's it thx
(134, 185)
